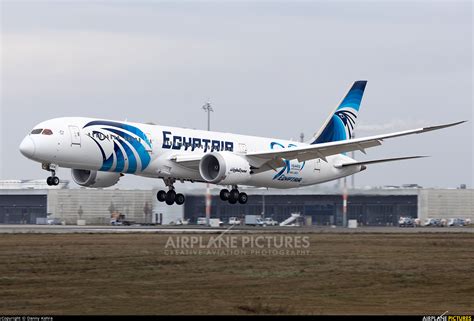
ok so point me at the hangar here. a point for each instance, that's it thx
(33, 202)
(324, 205)
(368, 208)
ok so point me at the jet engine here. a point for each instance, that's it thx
(90, 178)
(224, 168)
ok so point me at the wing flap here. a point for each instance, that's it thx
(376, 161)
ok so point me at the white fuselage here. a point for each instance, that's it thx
(86, 143)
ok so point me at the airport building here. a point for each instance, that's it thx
(33, 202)
(324, 206)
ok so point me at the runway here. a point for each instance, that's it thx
(194, 229)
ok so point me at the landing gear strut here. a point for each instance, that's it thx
(171, 196)
(52, 180)
(233, 196)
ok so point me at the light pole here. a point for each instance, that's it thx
(353, 156)
(344, 203)
(208, 109)
(345, 194)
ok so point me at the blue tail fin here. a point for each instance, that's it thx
(341, 123)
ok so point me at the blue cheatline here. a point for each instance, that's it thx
(132, 129)
(287, 166)
(132, 161)
(100, 147)
(272, 145)
(136, 144)
(141, 151)
(120, 161)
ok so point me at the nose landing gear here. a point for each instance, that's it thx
(233, 196)
(52, 180)
(171, 196)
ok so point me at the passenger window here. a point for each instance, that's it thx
(36, 131)
(47, 132)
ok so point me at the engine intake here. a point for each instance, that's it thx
(224, 168)
(90, 178)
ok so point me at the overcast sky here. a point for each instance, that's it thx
(270, 69)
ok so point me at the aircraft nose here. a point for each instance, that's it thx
(27, 147)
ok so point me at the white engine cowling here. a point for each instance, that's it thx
(224, 168)
(90, 178)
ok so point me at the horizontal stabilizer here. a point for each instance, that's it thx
(384, 160)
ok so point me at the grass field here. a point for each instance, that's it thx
(131, 274)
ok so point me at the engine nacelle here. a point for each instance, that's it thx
(224, 168)
(90, 178)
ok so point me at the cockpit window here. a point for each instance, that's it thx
(36, 131)
(47, 132)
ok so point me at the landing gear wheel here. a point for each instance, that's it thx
(161, 196)
(232, 201)
(224, 194)
(243, 198)
(170, 197)
(179, 199)
(52, 181)
(234, 194)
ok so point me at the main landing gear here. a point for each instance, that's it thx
(52, 180)
(171, 196)
(233, 196)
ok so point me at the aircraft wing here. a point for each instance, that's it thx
(189, 161)
(272, 159)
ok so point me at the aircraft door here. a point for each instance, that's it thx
(242, 148)
(75, 136)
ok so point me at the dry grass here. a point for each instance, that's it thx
(130, 274)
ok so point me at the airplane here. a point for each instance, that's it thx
(100, 151)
